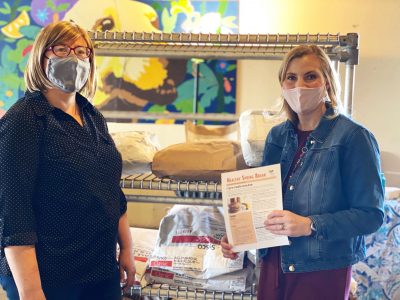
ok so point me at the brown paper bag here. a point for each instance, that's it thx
(198, 161)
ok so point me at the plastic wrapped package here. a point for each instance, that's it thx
(137, 149)
(254, 128)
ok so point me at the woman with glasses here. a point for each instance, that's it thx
(62, 210)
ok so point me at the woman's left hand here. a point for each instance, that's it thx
(284, 222)
(126, 267)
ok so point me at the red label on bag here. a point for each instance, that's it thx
(161, 263)
(140, 258)
(180, 239)
(162, 274)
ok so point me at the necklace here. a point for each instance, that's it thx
(304, 150)
(300, 159)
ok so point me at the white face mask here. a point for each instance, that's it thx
(69, 73)
(304, 100)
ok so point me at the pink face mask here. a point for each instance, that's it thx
(303, 100)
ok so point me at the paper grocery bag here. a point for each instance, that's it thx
(200, 161)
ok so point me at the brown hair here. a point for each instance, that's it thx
(55, 34)
(329, 73)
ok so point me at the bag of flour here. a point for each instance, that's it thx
(237, 281)
(189, 243)
(143, 243)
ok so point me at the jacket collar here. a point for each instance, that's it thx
(42, 107)
(325, 125)
(323, 129)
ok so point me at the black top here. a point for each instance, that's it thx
(59, 189)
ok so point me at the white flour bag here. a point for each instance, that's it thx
(189, 243)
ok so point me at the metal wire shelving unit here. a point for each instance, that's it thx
(147, 187)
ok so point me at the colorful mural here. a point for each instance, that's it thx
(148, 84)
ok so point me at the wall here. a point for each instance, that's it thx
(377, 80)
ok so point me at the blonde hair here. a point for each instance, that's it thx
(58, 33)
(329, 73)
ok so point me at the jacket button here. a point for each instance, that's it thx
(291, 187)
(291, 268)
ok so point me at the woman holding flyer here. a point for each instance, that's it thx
(332, 192)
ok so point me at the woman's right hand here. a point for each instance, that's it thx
(227, 248)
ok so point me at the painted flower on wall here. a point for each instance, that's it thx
(45, 12)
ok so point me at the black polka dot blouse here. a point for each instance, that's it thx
(59, 190)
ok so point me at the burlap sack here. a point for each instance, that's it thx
(198, 161)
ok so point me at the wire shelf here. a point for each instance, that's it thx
(150, 181)
(217, 46)
(224, 117)
(184, 192)
(180, 292)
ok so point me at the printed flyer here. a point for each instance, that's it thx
(248, 196)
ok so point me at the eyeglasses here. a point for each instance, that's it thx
(63, 51)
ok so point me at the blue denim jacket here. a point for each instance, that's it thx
(338, 186)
